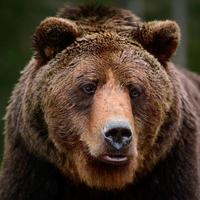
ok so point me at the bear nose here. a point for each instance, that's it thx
(117, 134)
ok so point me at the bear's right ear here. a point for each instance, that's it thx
(52, 36)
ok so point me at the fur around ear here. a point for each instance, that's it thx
(160, 38)
(52, 36)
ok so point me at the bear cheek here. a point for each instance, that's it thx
(61, 118)
(148, 122)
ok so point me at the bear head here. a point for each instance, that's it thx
(101, 105)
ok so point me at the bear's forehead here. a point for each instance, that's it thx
(106, 46)
(101, 43)
(104, 39)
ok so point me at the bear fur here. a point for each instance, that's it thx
(93, 65)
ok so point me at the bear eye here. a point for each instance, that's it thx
(135, 92)
(89, 88)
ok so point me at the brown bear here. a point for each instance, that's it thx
(100, 112)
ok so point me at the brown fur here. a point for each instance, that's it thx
(56, 130)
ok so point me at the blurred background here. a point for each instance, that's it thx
(20, 17)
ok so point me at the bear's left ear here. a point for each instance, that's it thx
(160, 38)
(52, 36)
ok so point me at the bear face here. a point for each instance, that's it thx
(101, 102)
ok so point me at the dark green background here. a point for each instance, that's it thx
(18, 19)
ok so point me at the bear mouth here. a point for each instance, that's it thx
(113, 159)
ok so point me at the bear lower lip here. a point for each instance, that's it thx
(114, 159)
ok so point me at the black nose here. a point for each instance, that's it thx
(118, 134)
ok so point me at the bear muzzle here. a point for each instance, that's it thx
(117, 135)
